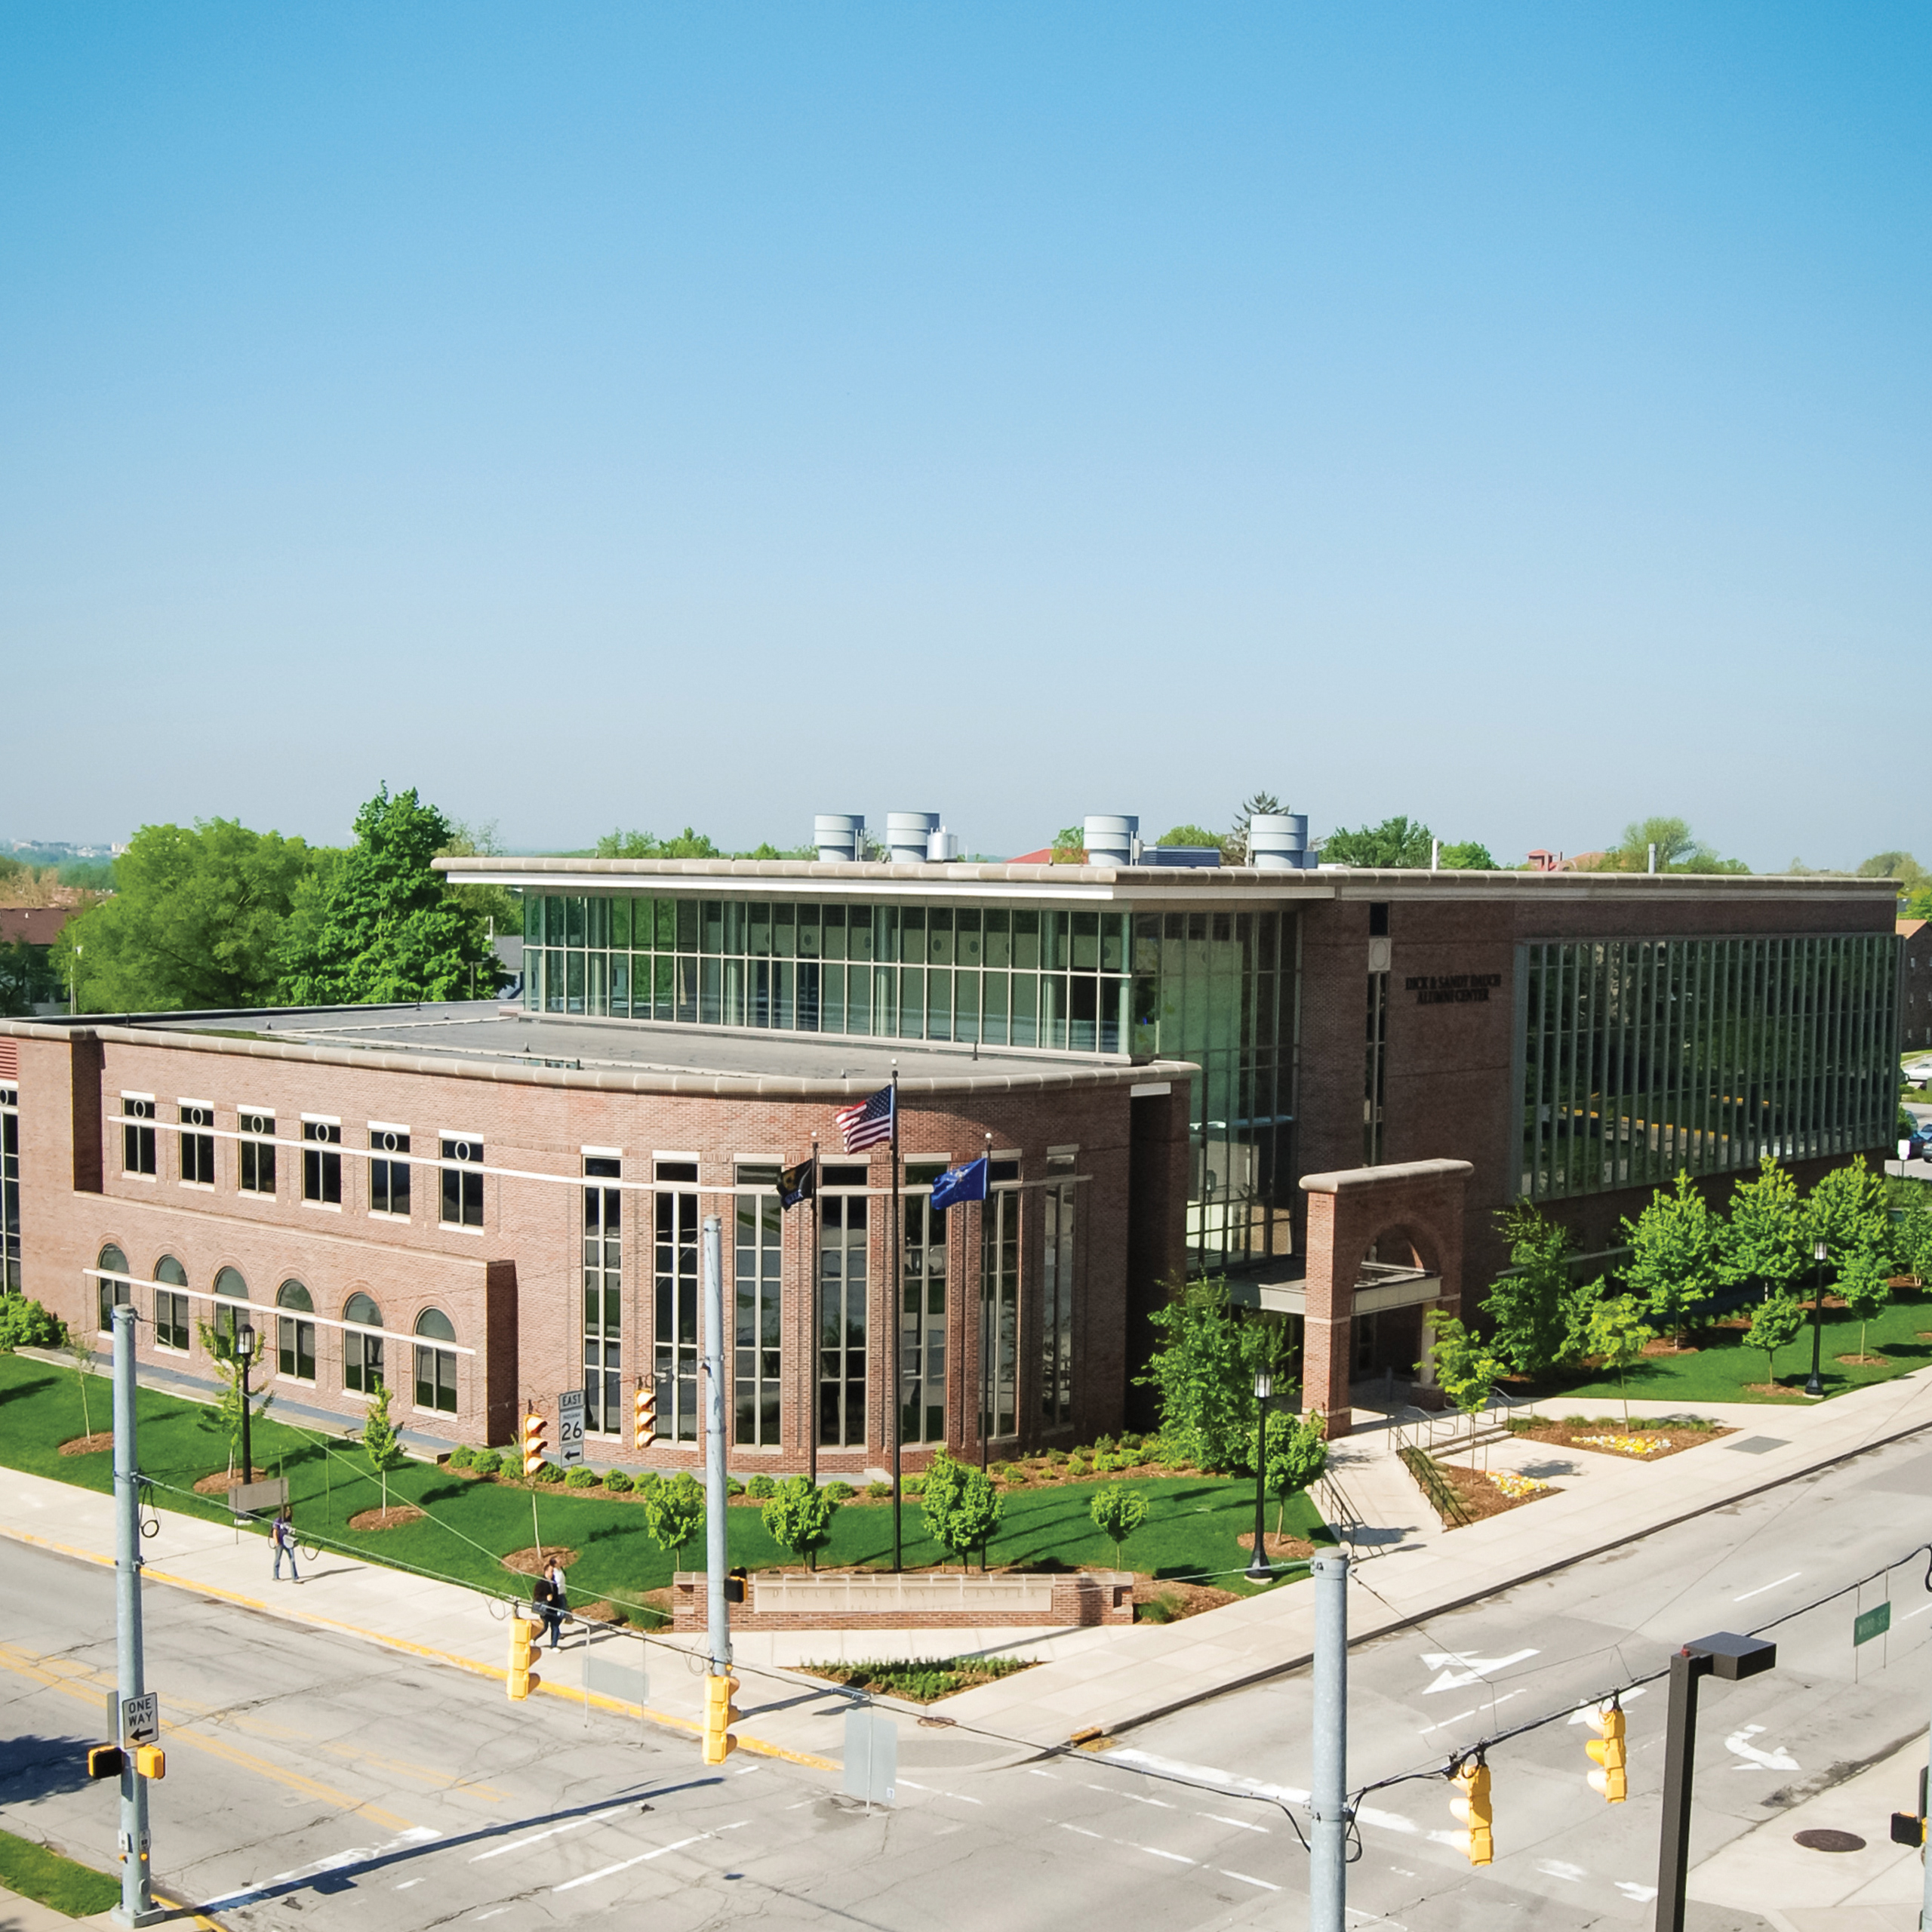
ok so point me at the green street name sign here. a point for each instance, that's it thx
(1870, 1623)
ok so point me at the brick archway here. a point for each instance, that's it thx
(1419, 1202)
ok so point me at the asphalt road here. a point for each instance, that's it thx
(310, 1773)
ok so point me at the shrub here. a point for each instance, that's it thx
(461, 1457)
(484, 1462)
(673, 1510)
(1165, 1607)
(549, 1474)
(799, 1517)
(582, 1477)
(760, 1487)
(644, 1479)
(617, 1482)
(1074, 1466)
(840, 1492)
(25, 1324)
(878, 1491)
(912, 1485)
(733, 1487)
(1004, 1471)
(1118, 1511)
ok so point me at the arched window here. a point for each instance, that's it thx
(295, 1351)
(170, 1311)
(112, 1294)
(228, 1284)
(436, 1368)
(361, 1354)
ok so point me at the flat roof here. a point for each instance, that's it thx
(1143, 885)
(484, 1040)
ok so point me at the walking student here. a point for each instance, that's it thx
(560, 1599)
(283, 1537)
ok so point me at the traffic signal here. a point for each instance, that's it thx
(1909, 1827)
(720, 1714)
(150, 1761)
(523, 1648)
(1470, 1807)
(1607, 1750)
(106, 1761)
(644, 1411)
(536, 1449)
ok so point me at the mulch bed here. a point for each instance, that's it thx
(1290, 1549)
(1569, 1435)
(1866, 1362)
(532, 1562)
(89, 1445)
(1180, 1600)
(218, 1483)
(1480, 1497)
(395, 1516)
(1662, 1345)
(1770, 1390)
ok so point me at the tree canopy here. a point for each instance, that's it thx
(1400, 844)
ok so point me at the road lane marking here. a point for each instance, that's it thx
(1473, 1670)
(1246, 1880)
(1642, 1894)
(538, 1838)
(1112, 1792)
(1763, 1587)
(1206, 1778)
(361, 1854)
(1239, 1824)
(1456, 1719)
(624, 1865)
(1083, 1832)
(1739, 1742)
(1154, 1851)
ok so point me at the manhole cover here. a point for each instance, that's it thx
(1822, 1841)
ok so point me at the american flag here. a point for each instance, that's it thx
(868, 1123)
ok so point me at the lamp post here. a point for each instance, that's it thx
(1820, 1248)
(1259, 1570)
(244, 1353)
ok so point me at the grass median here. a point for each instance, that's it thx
(34, 1872)
(468, 1524)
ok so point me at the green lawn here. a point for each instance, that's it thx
(44, 1876)
(1190, 1532)
(1722, 1366)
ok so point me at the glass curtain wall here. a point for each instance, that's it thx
(1219, 989)
(999, 976)
(1056, 1209)
(999, 1304)
(757, 1337)
(1641, 1057)
(922, 1314)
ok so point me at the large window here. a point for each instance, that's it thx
(10, 1190)
(1058, 1201)
(170, 1310)
(111, 1295)
(841, 1309)
(255, 1153)
(388, 1171)
(922, 1313)
(756, 1331)
(295, 1338)
(1374, 1081)
(463, 1182)
(322, 1162)
(136, 1134)
(603, 1297)
(361, 1354)
(999, 1303)
(197, 1149)
(1643, 1056)
(230, 1287)
(675, 1335)
(436, 1368)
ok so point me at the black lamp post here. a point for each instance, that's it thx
(1259, 1570)
(1820, 1248)
(244, 1353)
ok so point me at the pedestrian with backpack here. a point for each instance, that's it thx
(282, 1535)
(560, 1599)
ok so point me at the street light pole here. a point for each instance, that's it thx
(244, 1351)
(1258, 1569)
(1819, 1249)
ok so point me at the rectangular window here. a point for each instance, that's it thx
(10, 1190)
(757, 1338)
(137, 1135)
(1373, 1076)
(388, 1171)
(841, 1318)
(999, 1304)
(922, 1314)
(255, 1158)
(463, 1182)
(435, 1378)
(674, 1333)
(1056, 1209)
(603, 1297)
(322, 1163)
(295, 1352)
(197, 1149)
(361, 1361)
(170, 1320)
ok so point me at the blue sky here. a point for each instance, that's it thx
(1512, 416)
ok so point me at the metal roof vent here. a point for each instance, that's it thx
(909, 836)
(840, 837)
(1111, 838)
(1278, 842)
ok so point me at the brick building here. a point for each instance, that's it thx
(1321, 1082)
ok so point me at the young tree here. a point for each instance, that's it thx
(1525, 1307)
(1864, 1282)
(960, 1507)
(1203, 1371)
(1677, 1258)
(227, 1412)
(673, 1510)
(1765, 1236)
(1465, 1370)
(389, 929)
(1775, 1323)
(1118, 1511)
(1069, 846)
(1467, 855)
(1617, 1334)
(379, 1440)
(1846, 1210)
(1297, 1454)
(798, 1518)
(80, 1352)
(1580, 1304)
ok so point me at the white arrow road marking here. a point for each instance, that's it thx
(359, 1855)
(1473, 1670)
(1555, 1867)
(1584, 1712)
(1738, 1743)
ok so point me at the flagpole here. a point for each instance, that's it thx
(812, 1293)
(897, 1278)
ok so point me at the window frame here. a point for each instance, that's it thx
(138, 1137)
(255, 1152)
(322, 1162)
(195, 1149)
(389, 1164)
(462, 1181)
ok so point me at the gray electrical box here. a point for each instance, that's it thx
(871, 1755)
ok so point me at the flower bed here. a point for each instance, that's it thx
(1518, 1488)
(1605, 1435)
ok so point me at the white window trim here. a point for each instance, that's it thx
(148, 1097)
(454, 1227)
(603, 1153)
(1072, 1150)
(131, 1173)
(387, 1126)
(208, 1104)
(321, 1119)
(675, 1154)
(320, 1207)
(460, 1134)
(383, 1214)
(199, 1186)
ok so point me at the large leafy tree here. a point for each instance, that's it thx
(1396, 842)
(1204, 1371)
(387, 928)
(1677, 1259)
(1847, 1209)
(1767, 1239)
(196, 919)
(1525, 1307)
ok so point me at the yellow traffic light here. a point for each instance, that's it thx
(720, 1714)
(1470, 1807)
(644, 1415)
(523, 1648)
(106, 1761)
(1607, 1750)
(535, 1450)
(150, 1761)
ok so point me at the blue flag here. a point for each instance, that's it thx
(960, 1184)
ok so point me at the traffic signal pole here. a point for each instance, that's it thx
(137, 1907)
(1327, 1879)
(717, 1539)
